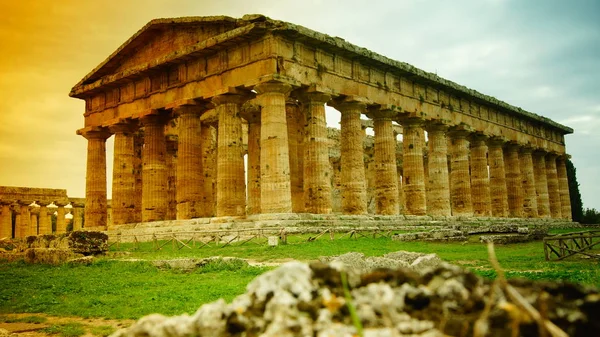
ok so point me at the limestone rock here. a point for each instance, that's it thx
(52, 256)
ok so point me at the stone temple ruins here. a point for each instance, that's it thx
(224, 118)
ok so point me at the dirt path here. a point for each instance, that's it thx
(41, 325)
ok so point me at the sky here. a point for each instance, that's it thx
(540, 55)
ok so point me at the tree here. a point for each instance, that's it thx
(574, 194)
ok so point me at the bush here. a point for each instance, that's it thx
(590, 217)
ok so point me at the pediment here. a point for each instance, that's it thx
(159, 38)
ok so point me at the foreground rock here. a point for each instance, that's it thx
(417, 262)
(297, 299)
(79, 242)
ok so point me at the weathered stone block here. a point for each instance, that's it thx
(52, 256)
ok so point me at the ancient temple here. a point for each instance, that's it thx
(258, 87)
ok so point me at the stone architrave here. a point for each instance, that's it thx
(553, 190)
(413, 171)
(45, 226)
(460, 178)
(295, 124)
(354, 183)
(438, 188)
(317, 175)
(514, 182)
(61, 221)
(563, 187)
(34, 211)
(123, 183)
(190, 179)
(231, 186)
(6, 221)
(251, 113)
(275, 185)
(208, 134)
(171, 160)
(480, 180)
(154, 170)
(530, 209)
(95, 187)
(498, 189)
(386, 175)
(541, 184)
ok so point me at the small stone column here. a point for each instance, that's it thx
(34, 211)
(530, 209)
(498, 190)
(386, 176)
(231, 187)
(514, 183)
(553, 190)
(154, 171)
(95, 187)
(138, 145)
(123, 183)
(295, 125)
(541, 184)
(209, 166)
(480, 181)
(171, 159)
(413, 171)
(438, 188)
(354, 184)
(190, 180)
(6, 221)
(45, 226)
(77, 216)
(317, 175)
(251, 112)
(563, 187)
(18, 227)
(460, 179)
(61, 222)
(275, 186)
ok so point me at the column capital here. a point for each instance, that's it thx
(539, 152)
(552, 155)
(231, 98)
(94, 132)
(349, 103)
(526, 149)
(153, 119)
(478, 138)
(273, 86)
(25, 202)
(43, 203)
(460, 131)
(381, 112)
(496, 141)
(314, 97)
(406, 121)
(197, 108)
(435, 125)
(250, 111)
(123, 126)
(34, 210)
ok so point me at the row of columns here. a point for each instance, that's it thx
(289, 169)
(36, 220)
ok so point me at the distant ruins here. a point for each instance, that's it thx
(183, 95)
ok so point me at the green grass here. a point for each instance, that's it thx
(26, 319)
(102, 331)
(124, 289)
(65, 330)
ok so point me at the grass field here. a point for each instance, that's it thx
(131, 289)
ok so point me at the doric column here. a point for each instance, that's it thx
(480, 181)
(190, 182)
(276, 195)
(77, 216)
(553, 189)
(61, 222)
(208, 134)
(541, 184)
(45, 226)
(438, 188)
(95, 187)
(498, 189)
(514, 182)
(295, 126)
(530, 209)
(413, 170)
(34, 211)
(317, 175)
(138, 145)
(18, 225)
(154, 170)
(460, 179)
(231, 187)
(171, 159)
(251, 112)
(354, 184)
(386, 174)
(6, 221)
(123, 183)
(563, 187)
